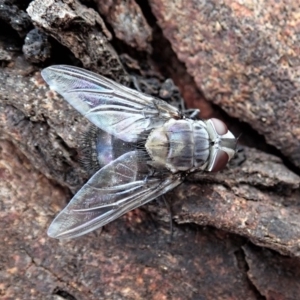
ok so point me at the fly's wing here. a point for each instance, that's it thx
(120, 111)
(117, 188)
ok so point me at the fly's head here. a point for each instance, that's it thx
(222, 145)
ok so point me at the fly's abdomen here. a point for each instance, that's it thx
(108, 148)
(174, 146)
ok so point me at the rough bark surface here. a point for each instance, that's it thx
(258, 200)
(83, 31)
(236, 233)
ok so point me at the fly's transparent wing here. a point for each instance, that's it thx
(120, 111)
(117, 188)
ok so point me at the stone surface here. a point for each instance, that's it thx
(243, 56)
(128, 22)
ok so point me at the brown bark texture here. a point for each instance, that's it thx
(236, 234)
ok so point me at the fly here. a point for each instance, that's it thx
(146, 147)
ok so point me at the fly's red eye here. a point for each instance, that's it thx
(220, 126)
(220, 161)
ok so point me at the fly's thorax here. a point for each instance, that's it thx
(222, 145)
(179, 145)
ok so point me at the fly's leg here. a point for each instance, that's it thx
(144, 85)
(171, 218)
(135, 83)
(151, 172)
(191, 113)
(166, 204)
(238, 158)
